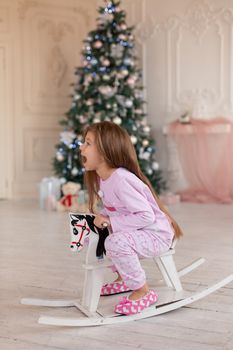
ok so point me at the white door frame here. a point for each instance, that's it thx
(6, 120)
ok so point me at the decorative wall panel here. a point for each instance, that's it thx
(39, 146)
(48, 40)
(191, 54)
(4, 19)
(48, 37)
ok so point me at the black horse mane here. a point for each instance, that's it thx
(102, 233)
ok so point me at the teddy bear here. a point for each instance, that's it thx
(69, 201)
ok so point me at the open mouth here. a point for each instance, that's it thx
(84, 159)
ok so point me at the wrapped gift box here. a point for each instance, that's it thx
(50, 192)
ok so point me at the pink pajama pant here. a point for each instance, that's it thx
(125, 249)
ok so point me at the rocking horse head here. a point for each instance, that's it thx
(83, 230)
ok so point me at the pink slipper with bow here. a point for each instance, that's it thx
(114, 288)
(131, 307)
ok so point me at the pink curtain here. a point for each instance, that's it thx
(205, 149)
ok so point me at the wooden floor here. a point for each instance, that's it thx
(35, 261)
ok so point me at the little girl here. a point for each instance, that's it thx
(140, 226)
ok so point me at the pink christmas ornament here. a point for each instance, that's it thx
(98, 44)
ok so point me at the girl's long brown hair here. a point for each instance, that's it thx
(114, 144)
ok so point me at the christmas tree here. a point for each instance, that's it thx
(108, 87)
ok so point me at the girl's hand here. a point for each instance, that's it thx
(101, 221)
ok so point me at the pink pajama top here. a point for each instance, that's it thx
(131, 206)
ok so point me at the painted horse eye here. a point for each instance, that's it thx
(83, 228)
(78, 244)
(75, 232)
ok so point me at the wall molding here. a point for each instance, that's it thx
(48, 41)
(38, 143)
(6, 120)
(4, 19)
(200, 26)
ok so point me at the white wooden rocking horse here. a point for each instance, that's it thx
(171, 297)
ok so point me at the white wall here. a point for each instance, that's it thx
(188, 51)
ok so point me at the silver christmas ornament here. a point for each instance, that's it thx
(124, 72)
(146, 155)
(107, 90)
(59, 156)
(131, 81)
(133, 139)
(117, 120)
(138, 94)
(82, 119)
(146, 129)
(106, 77)
(145, 143)
(121, 99)
(62, 180)
(89, 102)
(128, 103)
(106, 62)
(94, 61)
(149, 171)
(74, 171)
(123, 26)
(128, 61)
(155, 166)
(143, 122)
(76, 97)
(67, 137)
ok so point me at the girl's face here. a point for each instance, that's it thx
(89, 152)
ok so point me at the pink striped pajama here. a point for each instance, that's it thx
(139, 228)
